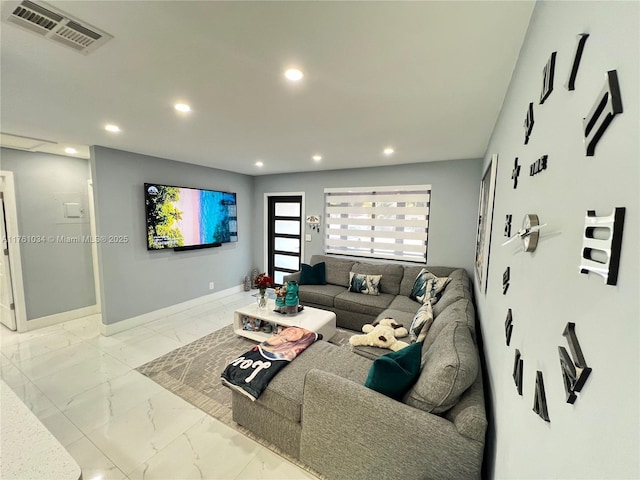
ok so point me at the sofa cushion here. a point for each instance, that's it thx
(461, 311)
(405, 304)
(313, 275)
(391, 275)
(450, 367)
(459, 287)
(284, 393)
(371, 305)
(337, 269)
(365, 284)
(394, 373)
(319, 294)
(427, 287)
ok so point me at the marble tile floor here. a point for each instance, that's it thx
(116, 422)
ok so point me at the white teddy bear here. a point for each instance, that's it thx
(381, 334)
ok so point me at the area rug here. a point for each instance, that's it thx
(193, 373)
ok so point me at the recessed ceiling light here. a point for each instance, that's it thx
(317, 158)
(182, 107)
(259, 163)
(112, 128)
(388, 151)
(294, 74)
(70, 150)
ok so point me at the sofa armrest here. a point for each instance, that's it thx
(292, 277)
(350, 431)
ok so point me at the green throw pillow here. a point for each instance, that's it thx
(313, 275)
(393, 374)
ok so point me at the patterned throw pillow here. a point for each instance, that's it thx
(367, 284)
(427, 287)
(421, 323)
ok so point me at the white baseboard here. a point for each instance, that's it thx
(60, 317)
(128, 323)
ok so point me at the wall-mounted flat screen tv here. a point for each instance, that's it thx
(184, 218)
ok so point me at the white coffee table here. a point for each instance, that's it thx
(314, 319)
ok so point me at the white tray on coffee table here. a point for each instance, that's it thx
(314, 319)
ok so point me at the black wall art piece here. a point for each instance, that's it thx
(538, 166)
(518, 366)
(528, 123)
(506, 277)
(547, 77)
(540, 399)
(515, 173)
(507, 225)
(607, 105)
(602, 255)
(508, 327)
(571, 81)
(574, 372)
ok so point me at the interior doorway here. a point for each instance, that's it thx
(12, 304)
(7, 307)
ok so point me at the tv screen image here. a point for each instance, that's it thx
(180, 217)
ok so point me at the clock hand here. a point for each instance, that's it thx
(525, 232)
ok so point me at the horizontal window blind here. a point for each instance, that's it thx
(378, 222)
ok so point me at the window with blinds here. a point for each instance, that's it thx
(378, 222)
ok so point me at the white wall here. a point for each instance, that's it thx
(58, 272)
(135, 281)
(598, 436)
(455, 186)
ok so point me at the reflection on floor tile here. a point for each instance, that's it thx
(266, 465)
(93, 463)
(141, 432)
(117, 423)
(208, 450)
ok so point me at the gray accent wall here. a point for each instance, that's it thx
(597, 436)
(455, 187)
(134, 280)
(57, 265)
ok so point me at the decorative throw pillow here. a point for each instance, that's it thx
(313, 275)
(427, 287)
(393, 374)
(421, 323)
(367, 284)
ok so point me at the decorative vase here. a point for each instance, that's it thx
(280, 305)
(247, 283)
(291, 299)
(262, 299)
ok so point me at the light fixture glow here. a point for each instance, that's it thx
(182, 107)
(388, 151)
(70, 150)
(317, 158)
(294, 74)
(112, 128)
(259, 163)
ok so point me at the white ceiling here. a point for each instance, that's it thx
(426, 77)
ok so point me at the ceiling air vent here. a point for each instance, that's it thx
(54, 24)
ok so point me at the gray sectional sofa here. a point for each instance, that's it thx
(318, 410)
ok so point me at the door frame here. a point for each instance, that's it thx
(265, 234)
(15, 259)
